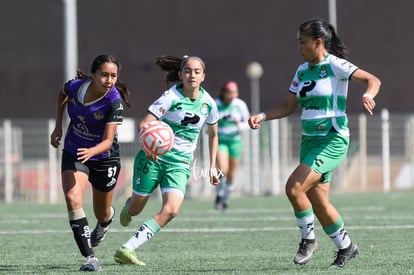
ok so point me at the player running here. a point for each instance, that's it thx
(320, 87)
(186, 107)
(233, 119)
(91, 152)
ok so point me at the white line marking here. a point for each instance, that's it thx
(211, 230)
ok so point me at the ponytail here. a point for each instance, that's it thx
(336, 46)
(123, 90)
(171, 65)
(318, 28)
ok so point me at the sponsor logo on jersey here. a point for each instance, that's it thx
(162, 110)
(81, 119)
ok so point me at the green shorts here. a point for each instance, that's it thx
(149, 174)
(324, 153)
(232, 147)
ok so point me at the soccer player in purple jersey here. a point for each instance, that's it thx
(91, 151)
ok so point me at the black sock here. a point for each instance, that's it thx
(105, 224)
(82, 235)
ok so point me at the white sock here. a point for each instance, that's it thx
(306, 225)
(228, 188)
(341, 238)
(142, 235)
(221, 186)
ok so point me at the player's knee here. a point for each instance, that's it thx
(169, 213)
(73, 200)
(293, 190)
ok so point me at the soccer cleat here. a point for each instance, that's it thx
(91, 264)
(305, 251)
(125, 218)
(99, 233)
(125, 256)
(344, 255)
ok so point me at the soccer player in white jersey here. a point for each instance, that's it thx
(186, 107)
(320, 87)
(234, 114)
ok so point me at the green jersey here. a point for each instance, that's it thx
(186, 117)
(233, 118)
(322, 92)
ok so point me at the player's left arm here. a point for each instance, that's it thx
(147, 118)
(213, 147)
(373, 85)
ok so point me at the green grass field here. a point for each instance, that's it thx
(258, 235)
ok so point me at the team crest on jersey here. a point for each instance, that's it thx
(323, 73)
(204, 109)
(98, 115)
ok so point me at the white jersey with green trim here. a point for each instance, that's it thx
(186, 117)
(322, 92)
(233, 118)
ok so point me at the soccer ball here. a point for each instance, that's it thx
(156, 137)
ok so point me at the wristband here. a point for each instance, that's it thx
(263, 116)
(367, 96)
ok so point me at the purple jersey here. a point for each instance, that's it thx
(88, 121)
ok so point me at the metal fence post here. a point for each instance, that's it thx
(385, 151)
(8, 168)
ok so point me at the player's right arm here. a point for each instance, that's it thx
(56, 135)
(283, 110)
(147, 118)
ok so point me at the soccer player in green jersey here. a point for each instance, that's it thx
(320, 87)
(186, 107)
(234, 114)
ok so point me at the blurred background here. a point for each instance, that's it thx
(40, 51)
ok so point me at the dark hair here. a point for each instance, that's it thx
(96, 65)
(318, 28)
(172, 65)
